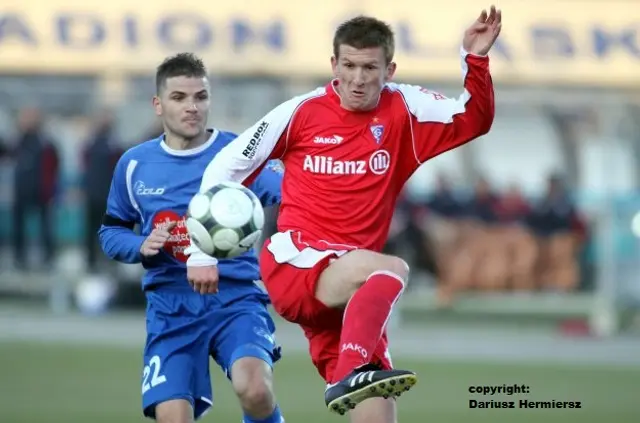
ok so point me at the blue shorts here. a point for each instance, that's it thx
(184, 329)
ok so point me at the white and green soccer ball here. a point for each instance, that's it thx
(225, 221)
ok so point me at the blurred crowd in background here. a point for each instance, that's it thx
(38, 189)
(473, 238)
(487, 240)
(517, 242)
(546, 202)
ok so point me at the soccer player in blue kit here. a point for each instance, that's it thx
(186, 324)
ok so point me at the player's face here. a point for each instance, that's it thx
(361, 74)
(183, 105)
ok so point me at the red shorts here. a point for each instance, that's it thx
(290, 269)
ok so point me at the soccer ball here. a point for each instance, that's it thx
(225, 221)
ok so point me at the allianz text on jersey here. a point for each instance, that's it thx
(378, 164)
(287, 38)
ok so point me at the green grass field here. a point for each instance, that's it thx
(70, 384)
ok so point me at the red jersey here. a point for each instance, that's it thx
(344, 170)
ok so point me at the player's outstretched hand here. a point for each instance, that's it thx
(479, 37)
(203, 279)
(156, 240)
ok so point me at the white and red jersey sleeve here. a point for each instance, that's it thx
(243, 158)
(438, 123)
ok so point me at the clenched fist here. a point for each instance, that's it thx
(203, 279)
(156, 240)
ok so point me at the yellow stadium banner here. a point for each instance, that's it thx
(574, 42)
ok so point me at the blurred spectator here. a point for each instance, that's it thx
(520, 246)
(558, 227)
(482, 236)
(35, 183)
(99, 160)
(407, 236)
(442, 227)
(444, 202)
(4, 149)
(497, 242)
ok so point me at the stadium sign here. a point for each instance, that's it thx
(586, 46)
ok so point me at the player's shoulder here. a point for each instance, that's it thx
(290, 107)
(420, 102)
(141, 150)
(411, 93)
(315, 94)
(224, 137)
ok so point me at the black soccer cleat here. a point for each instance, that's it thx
(367, 382)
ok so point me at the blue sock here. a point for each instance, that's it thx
(275, 417)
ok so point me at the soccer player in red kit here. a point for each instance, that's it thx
(348, 148)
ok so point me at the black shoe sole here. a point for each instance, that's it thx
(390, 387)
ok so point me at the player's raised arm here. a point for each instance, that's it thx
(117, 238)
(440, 124)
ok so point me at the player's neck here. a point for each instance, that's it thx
(179, 143)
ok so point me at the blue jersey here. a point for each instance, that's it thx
(152, 185)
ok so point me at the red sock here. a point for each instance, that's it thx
(364, 320)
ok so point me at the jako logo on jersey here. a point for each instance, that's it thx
(378, 163)
(250, 150)
(354, 347)
(336, 139)
(140, 189)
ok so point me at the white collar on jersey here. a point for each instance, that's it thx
(191, 151)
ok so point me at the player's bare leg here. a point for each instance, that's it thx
(367, 284)
(174, 411)
(375, 410)
(252, 381)
(345, 275)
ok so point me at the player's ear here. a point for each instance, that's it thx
(391, 70)
(334, 66)
(157, 106)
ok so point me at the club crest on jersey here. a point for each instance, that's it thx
(377, 131)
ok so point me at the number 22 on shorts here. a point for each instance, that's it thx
(152, 369)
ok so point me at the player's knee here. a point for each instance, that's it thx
(257, 398)
(396, 266)
(251, 380)
(371, 262)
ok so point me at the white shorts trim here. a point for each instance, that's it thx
(284, 250)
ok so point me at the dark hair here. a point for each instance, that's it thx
(182, 64)
(365, 32)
